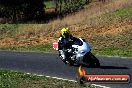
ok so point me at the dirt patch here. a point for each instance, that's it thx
(115, 29)
(89, 32)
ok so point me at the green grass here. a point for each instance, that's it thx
(113, 52)
(14, 79)
(35, 48)
(120, 14)
(9, 26)
(125, 12)
(108, 51)
(113, 17)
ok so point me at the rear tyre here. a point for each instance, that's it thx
(96, 63)
(92, 61)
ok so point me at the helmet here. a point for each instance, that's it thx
(65, 33)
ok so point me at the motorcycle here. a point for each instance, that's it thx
(80, 54)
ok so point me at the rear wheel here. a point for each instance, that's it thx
(96, 63)
(92, 61)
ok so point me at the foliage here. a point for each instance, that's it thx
(23, 10)
(69, 6)
(19, 9)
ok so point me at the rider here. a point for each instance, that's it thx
(65, 42)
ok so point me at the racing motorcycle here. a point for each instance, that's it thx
(80, 54)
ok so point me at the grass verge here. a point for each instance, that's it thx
(31, 48)
(113, 52)
(13, 79)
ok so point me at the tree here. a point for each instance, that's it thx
(13, 9)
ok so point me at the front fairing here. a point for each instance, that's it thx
(82, 50)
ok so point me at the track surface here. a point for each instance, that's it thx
(50, 65)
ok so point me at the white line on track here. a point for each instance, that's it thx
(100, 86)
(97, 86)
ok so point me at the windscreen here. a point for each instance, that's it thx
(78, 42)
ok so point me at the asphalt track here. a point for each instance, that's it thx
(50, 65)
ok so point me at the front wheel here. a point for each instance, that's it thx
(68, 62)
